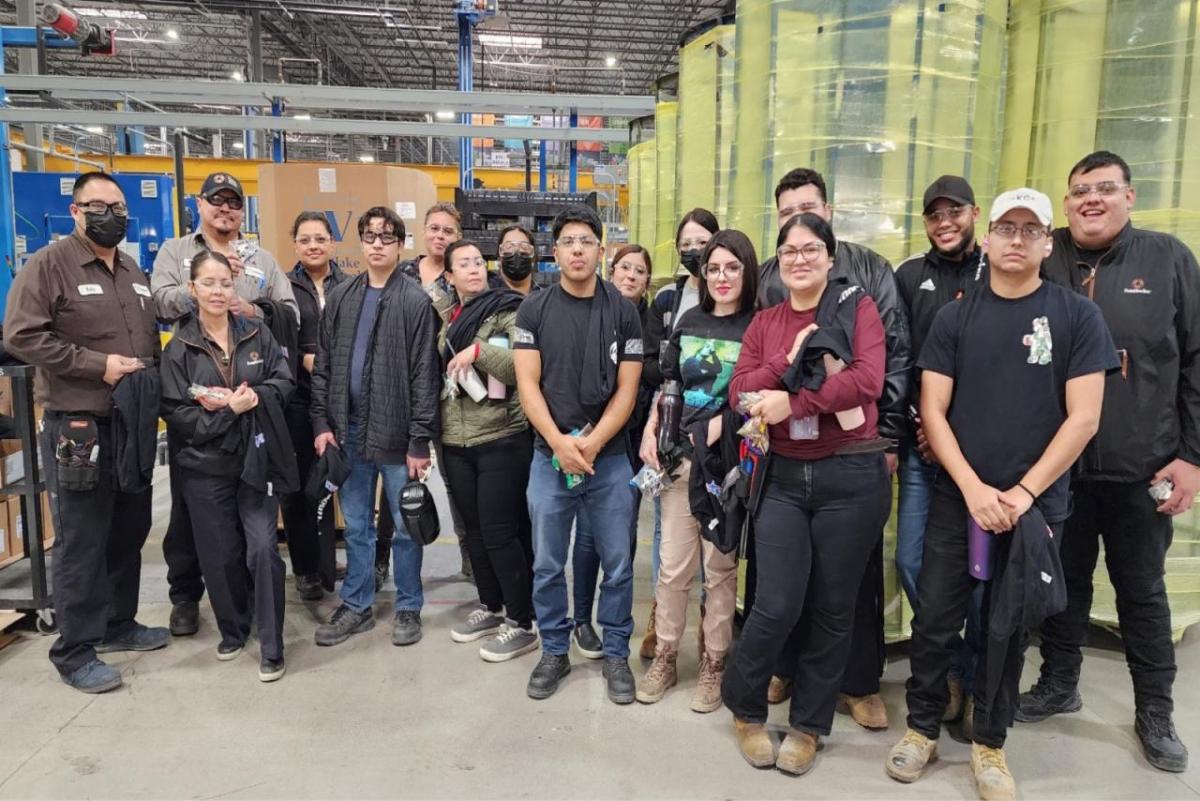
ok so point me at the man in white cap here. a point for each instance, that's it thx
(1011, 388)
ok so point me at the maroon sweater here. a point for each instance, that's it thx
(763, 361)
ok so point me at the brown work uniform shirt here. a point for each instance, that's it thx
(67, 312)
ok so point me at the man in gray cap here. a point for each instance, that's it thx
(256, 275)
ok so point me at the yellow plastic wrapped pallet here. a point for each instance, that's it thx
(666, 116)
(647, 211)
(705, 137)
(1089, 75)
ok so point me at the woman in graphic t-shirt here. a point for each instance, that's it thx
(825, 496)
(700, 355)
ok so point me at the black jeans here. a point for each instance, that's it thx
(97, 564)
(816, 527)
(239, 553)
(488, 482)
(867, 647)
(184, 576)
(310, 545)
(944, 589)
(1136, 539)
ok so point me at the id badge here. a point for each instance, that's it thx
(804, 428)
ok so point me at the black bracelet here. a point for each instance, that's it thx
(1027, 490)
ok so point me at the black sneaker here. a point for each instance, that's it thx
(550, 670)
(271, 669)
(406, 629)
(1160, 742)
(228, 651)
(309, 587)
(139, 638)
(381, 575)
(587, 641)
(185, 619)
(345, 622)
(621, 686)
(1045, 699)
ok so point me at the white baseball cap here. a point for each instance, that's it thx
(1023, 198)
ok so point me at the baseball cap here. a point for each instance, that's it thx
(951, 187)
(219, 181)
(1023, 198)
(326, 476)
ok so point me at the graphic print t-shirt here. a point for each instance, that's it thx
(701, 355)
(1011, 360)
(555, 323)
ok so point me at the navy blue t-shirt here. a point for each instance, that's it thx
(362, 338)
(1011, 360)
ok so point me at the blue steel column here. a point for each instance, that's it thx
(466, 81)
(542, 164)
(573, 175)
(8, 226)
(277, 137)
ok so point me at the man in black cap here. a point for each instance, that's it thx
(256, 275)
(928, 281)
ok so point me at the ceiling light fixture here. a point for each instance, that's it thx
(366, 158)
(514, 41)
(302, 116)
(610, 62)
(447, 116)
(172, 34)
(239, 145)
(237, 75)
(95, 129)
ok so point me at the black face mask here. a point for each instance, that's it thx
(691, 260)
(107, 229)
(516, 266)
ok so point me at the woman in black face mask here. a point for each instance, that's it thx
(518, 257)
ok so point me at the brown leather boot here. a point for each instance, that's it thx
(798, 752)
(754, 743)
(661, 676)
(650, 641)
(779, 690)
(868, 711)
(707, 697)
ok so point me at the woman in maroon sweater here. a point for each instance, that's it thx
(826, 497)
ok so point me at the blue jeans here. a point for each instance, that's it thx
(605, 499)
(585, 562)
(912, 515)
(357, 496)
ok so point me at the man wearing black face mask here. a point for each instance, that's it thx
(81, 311)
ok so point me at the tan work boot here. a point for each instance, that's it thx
(908, 758)
(707, 697)
(798, 752)
(868, 711)
(779, 690)
(992, 778)
(650, 641)
(954, 707)
(661, 677)
(754, 743)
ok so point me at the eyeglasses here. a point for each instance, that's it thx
(209, 284)
(1029, 232)
(693, 244)
(232, 201)
(478, 261)
(942, 215)
(100, 207)
(369, 237)
(788, 212)
(305, 241)
(633, 267)
(789, 255)
(1104, 189)
(731, 270)
(585, 242)
(448, 230)
(516, 247)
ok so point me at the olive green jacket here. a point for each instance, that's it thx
(466, 423)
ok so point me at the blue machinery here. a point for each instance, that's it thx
(470, 13)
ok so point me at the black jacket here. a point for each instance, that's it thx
(1148, 287)
(837, 313)
(281, 321)
(927, 282)
(136, 400)
(1028, 587)
(657, 322)
(402, 379)
(215, 442)
(310, 323)
(641, 406)
(270, 463)
(868, 269)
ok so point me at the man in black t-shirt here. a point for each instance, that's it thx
(1011, 390)
(578, 359)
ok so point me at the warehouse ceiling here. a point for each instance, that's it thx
(585, 46)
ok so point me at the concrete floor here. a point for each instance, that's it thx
(368, 720)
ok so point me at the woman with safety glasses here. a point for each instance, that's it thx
(518, 259)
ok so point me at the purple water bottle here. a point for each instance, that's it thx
(979, 551)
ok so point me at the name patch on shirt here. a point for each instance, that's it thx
(90, 289)
(142, 290)
(254, 273)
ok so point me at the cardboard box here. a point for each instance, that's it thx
(47, 520)
(342, 193)
(5, 539)
(15, 535)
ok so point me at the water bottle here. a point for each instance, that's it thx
(979, 551)
(670, 409)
